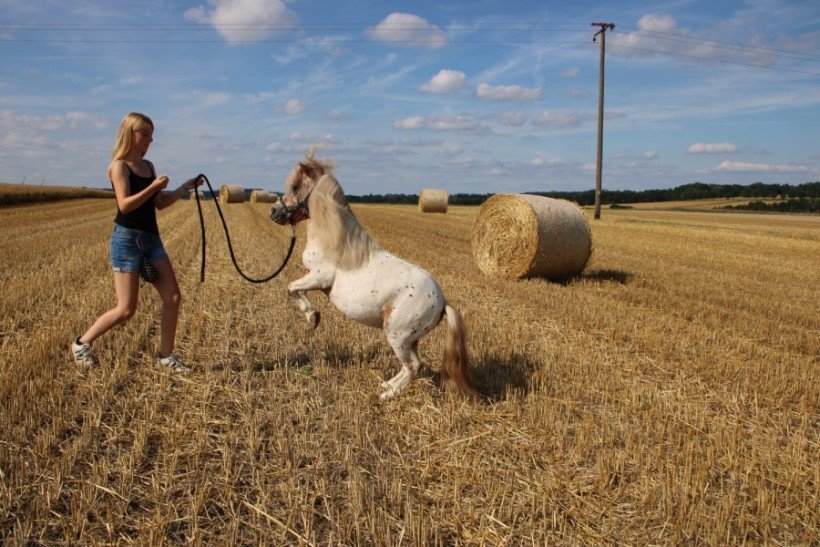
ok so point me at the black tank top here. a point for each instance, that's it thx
(144, 217)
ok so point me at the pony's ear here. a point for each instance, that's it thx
(308, 170)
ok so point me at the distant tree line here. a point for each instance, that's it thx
(695, 190)
(791, 205)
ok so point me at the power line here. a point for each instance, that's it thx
(281, 41)
(651, 34)
(715, 59)
(746, 50)
(292, 40)
(142, 28)
(708, 41)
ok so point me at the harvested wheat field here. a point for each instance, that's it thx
(668, 395)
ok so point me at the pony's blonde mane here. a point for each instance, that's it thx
(337, 230)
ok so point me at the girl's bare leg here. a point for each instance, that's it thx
(168, 289)
(127, 288)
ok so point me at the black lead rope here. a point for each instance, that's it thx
(228, 237)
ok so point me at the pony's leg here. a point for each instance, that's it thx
(407, 352)
(297, 290)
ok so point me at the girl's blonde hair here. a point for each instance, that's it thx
(130, 123)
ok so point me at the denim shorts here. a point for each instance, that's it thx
(129, 246)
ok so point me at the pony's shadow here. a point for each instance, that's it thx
(500, 375)
(497, 376)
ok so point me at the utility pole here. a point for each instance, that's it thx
(602, 32)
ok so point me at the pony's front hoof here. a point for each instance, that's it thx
(313, 319)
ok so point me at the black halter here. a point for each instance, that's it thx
(301, 206)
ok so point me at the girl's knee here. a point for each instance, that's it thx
(124, 313)
(173, 299)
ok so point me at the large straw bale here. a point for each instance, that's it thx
(231, 193)
(523, 235)
(263, 196)
(433, 201)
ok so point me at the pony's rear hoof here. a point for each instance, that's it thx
(388, 395)
(313, 319)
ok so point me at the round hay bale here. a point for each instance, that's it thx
(522, 235)
(231, 193)
(263, 196)
(433, 201)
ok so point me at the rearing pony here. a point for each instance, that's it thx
(365, 282)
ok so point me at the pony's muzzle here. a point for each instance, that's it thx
(280, 214)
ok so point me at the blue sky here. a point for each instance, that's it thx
(470, 96)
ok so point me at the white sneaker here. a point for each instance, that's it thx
(173, 363)
(83, 354)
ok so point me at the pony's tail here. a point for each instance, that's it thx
(455, 372)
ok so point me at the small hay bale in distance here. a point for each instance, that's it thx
(433, 201)
(522, 235)
(231, 193)
(263, 196)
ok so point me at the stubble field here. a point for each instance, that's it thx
(668, 395)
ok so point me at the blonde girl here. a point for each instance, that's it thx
(139, 193)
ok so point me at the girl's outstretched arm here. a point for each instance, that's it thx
(161, 201)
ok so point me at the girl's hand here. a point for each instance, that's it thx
(160, 182)
(190, 184)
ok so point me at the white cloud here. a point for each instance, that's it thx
(319, 140)
(410, 30)
(650, 155)
(487, 92)
(245, 20)
(413, 122)
(72, 119)
(336, 114)
(216, 99)
(656, 22)
(294, 107)
(740, 166)
(458, 123)
(571, 72)
(449, 151)
(555, 118)
(540, 161)
(101, 89)
(446, 81)
(309, 46)
(712, 148)
(260, 97)
(513, 119)
(78, 119)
